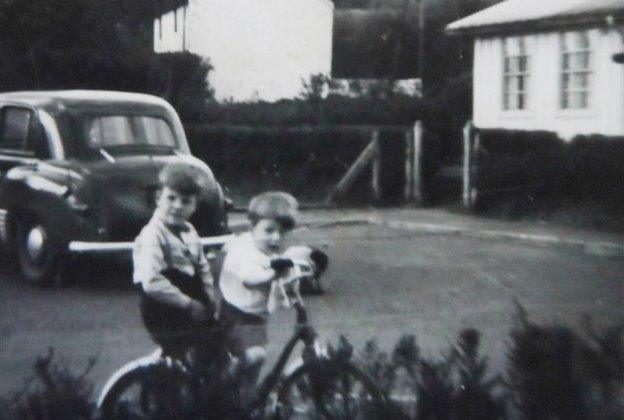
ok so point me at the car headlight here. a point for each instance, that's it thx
(42, 184)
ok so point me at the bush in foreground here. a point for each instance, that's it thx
(555, 373)
(55, 393)
(454, 387)
(552, 373)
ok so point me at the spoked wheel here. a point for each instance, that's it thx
(39, 253)
(333, 390)
(152, 392)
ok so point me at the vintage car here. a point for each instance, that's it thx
(78, 174)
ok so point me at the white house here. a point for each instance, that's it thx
(548, 65)
(260, 49)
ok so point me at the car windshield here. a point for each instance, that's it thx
(109, 131)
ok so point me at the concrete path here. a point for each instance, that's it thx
(442, 221)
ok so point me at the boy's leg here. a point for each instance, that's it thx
(253, 340)
(253, 361)
(171, 328)
(247, 340)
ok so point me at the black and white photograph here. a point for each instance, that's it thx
(312, 209)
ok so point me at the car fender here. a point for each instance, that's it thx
(25, 191)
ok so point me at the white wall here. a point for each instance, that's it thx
(606, 114)
(260, 49)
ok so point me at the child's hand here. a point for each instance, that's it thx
(281, 265)
(198, 311)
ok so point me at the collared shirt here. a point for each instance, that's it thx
(158, 248)
(246, 276)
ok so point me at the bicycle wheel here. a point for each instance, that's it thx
(331, 390)
(156, 391)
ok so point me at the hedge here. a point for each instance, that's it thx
(527, 161)
(305, 161)
(382, 109)
(534, 166)
(596, 165)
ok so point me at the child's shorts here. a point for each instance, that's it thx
(245, 330)
(172, 328)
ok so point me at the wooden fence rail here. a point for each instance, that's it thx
(371, 155)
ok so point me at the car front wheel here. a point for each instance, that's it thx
(39, 253)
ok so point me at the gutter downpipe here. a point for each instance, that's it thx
(184, 27)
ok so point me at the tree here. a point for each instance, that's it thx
(181, 78)
(96, 44)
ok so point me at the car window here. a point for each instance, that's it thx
(121, 130)
(155, 131)
(21, 132)
(14, 123)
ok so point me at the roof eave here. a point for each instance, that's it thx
(541, 25)
(161, 7)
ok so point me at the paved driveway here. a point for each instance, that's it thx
(382, 282)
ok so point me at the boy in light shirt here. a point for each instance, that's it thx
(170, 268)
(246, 277)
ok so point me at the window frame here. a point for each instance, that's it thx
(522, 71)
(565, 92)
(22, 151)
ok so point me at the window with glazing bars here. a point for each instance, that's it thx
(576, 70)
(516, 73)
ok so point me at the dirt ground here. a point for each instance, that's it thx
(382, 283)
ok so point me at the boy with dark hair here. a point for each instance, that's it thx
(170, 267)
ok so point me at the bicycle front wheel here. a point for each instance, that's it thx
(156, 391)
(331, 390)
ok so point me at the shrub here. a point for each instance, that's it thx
(312, 110)
(535, 170)
(453, 387)
(57, 394)
(305, 161)
(181, 78)
(553, 373)
(374, 44)
(595, 165)
(519, 162)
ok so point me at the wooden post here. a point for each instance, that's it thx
(376, 176)
(409, 166)
(467, 172)
(474, 167)
(371, 152)
(417, 162)
(413, 164)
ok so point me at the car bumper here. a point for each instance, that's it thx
(81, 247)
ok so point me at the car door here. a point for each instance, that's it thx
(22, 142)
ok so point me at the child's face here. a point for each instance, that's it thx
(269, 236)
(175, 208)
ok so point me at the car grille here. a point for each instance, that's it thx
(126, 216)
